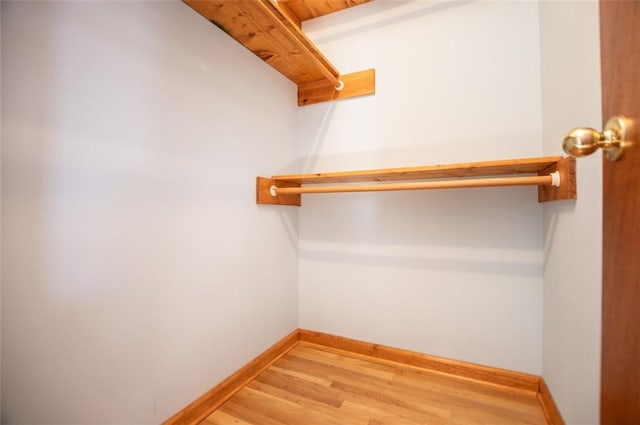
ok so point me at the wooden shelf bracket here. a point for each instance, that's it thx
(554, 176)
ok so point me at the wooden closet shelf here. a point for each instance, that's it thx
(272, 32)
(283, 185)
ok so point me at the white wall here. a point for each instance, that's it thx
(131, 239)
(137, 269)
(455, 273)
(0, 218)
(570, 63)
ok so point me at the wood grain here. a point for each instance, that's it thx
(309, 9)
(315, 378)
(467, 169)
(430, 185)
(314, 55)
(262, 28)
(288, 13)
(548, 405)
(541, 166)
(620, 383)
(316, 385)
(212, 399)
(360, 83)
(272, 32)
(263, 193)
(568, 181)
(517, 380)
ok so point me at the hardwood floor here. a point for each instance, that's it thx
(314, 384)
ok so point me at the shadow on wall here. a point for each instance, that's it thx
(379, 14)
(464, 230)
(433, 259)
(321, 122)
(551, 224)
(289, 223)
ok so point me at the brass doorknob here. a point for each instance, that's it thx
(585, 141)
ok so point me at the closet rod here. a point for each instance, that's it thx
(552, 179)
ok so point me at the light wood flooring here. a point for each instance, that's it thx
(313, 384)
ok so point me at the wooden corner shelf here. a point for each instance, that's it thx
(272, 31)
(288, 188)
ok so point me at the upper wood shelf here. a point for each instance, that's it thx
(543, 166)
(273, 33)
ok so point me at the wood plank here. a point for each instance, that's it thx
(366, 390)
(246, 412)
(508, 403)
(326, 385)
(309, 9)
(468, 169)
(305, 389)
(290, 185)
(620, 366)
(323, 64)
(286, 11)
(568, 182)
(425, 185)
(267, 44)
(293, 395)
(272, 32)
(222, 418)
(464, 416)
(360, 83)
(551, 412)
(263, 193)
(377, 403)
(262, 28)
(467, 370)
(272, 407)
(212, 399)
(356, 363)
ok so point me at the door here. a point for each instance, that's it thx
(620, 57)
